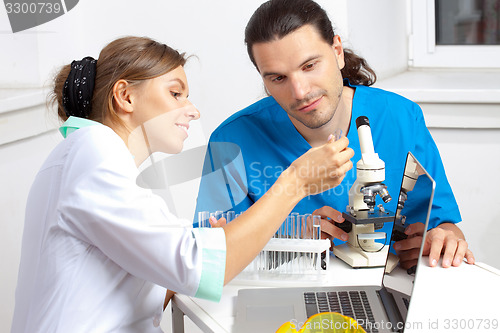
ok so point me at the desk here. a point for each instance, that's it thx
(456, 299)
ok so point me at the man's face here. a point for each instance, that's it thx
(302, 72)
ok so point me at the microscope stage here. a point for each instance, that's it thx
(367, 217)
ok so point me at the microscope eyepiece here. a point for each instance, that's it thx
(362, 120)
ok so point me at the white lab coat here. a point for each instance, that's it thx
(98, 251)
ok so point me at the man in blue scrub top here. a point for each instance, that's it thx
(317, 87)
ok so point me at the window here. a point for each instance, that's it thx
(455, 33)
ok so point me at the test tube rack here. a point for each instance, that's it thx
(296, 252)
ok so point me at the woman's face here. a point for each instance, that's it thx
(162, 113)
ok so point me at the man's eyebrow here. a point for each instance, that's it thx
(267, 74)
(313, 57)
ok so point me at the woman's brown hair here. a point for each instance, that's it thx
(133, 59)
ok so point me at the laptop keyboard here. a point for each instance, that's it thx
(353, 304)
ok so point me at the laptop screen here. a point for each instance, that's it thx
(414, 206)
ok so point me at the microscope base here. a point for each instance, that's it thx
(357, 258)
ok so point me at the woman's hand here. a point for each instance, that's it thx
(168, 296)
(318, 170)
(217, 224)
(321, 168)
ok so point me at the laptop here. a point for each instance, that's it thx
(381, 308)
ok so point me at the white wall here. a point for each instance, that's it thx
(377, 31)
(18, 166)
(471, 158)
(222, 80)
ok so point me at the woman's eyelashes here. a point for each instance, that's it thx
(177, 95)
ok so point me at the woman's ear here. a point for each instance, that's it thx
(122, 91)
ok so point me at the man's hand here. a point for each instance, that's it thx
(328, 228)
(446, 239)
(409, 248)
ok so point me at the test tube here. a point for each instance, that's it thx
(306, 260)
(281, 254)
(298, 255)
(211, 215)
(294, 220)
(203, 219)
(316, 227)
(289, 254)
(230, 216)
(293, 231)
(306, 221)
(303, 227)
(337, 134)
(264, 261)
(277, 254)
(300, 231)
(316, 222)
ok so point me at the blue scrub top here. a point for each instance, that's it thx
(250, 149)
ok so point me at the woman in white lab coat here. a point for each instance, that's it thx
(98, 251)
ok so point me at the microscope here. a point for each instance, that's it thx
(409, 180)
(362, 217)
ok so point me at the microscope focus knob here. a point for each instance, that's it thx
(346, 226)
